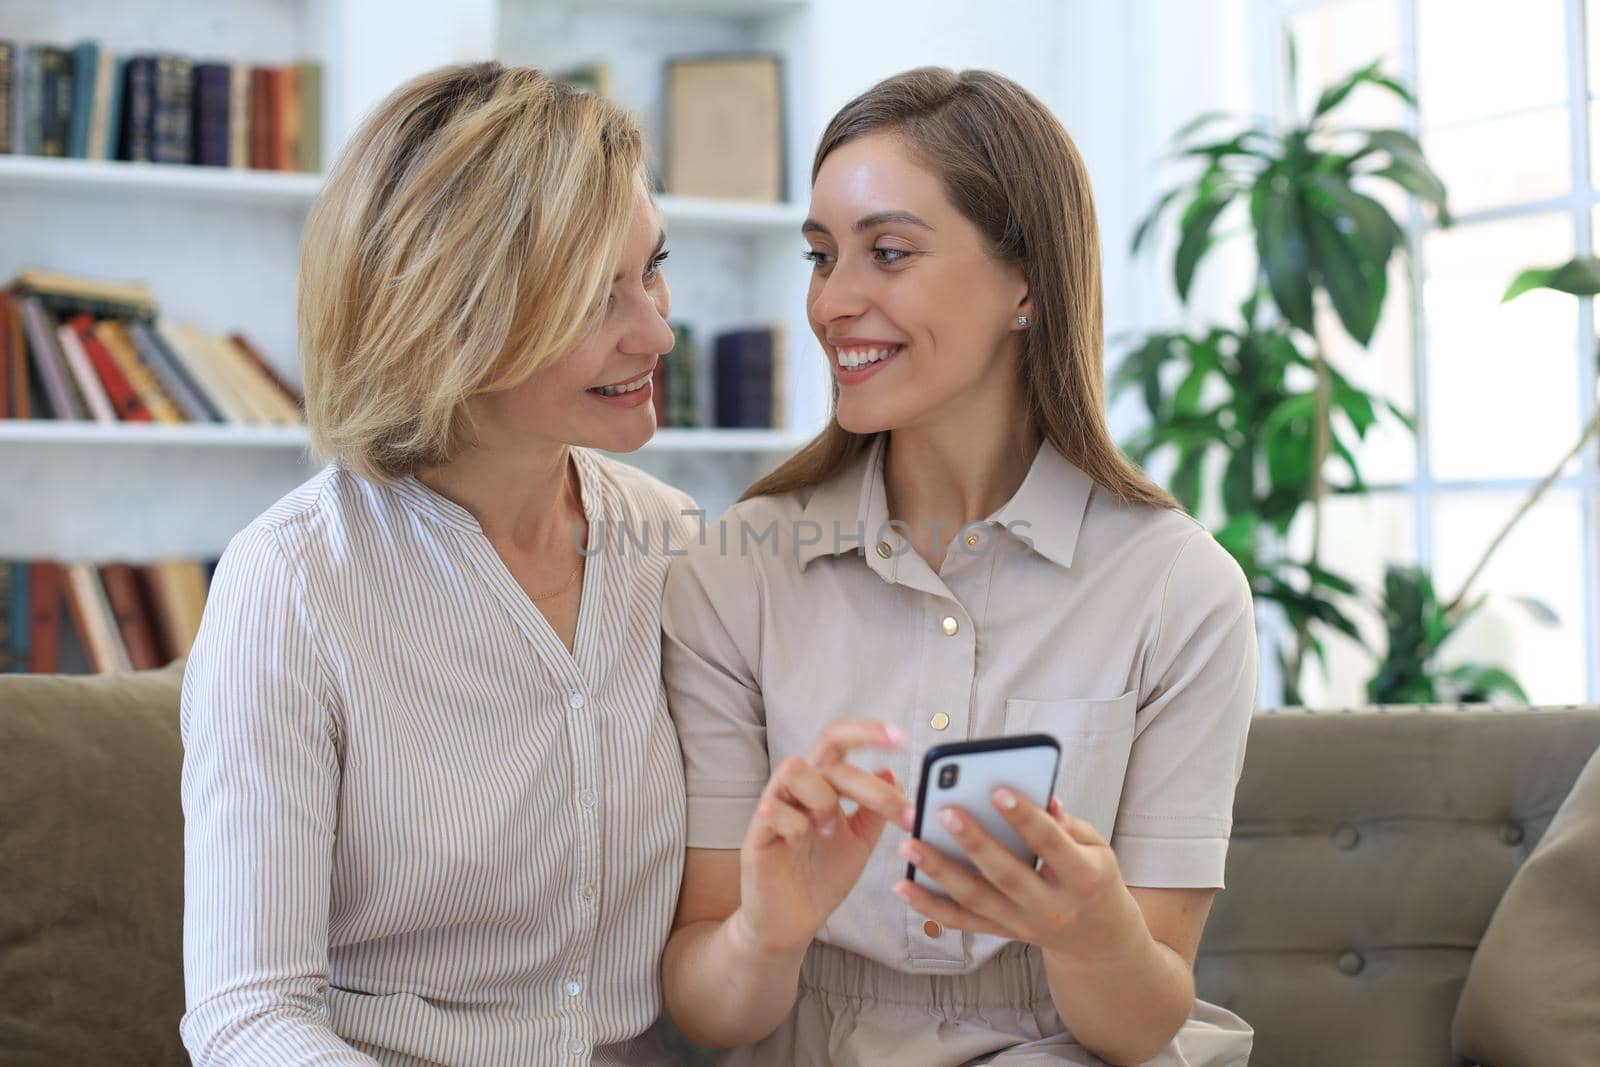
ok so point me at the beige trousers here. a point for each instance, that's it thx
(852, 1012)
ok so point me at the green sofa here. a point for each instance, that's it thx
(1369, 853)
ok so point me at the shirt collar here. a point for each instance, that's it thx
(1046, 512)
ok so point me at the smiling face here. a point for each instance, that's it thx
(917, 318)
(598, 395)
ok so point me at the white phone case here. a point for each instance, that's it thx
(1025, 763)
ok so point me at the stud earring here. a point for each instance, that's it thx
(1022, 320)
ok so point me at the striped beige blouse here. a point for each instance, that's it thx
(419, 830)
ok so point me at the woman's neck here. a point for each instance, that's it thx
(524, 498)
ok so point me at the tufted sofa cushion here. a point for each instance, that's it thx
(1369, 851)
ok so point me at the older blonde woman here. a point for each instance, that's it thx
(433, 797)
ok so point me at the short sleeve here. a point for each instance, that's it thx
(1197, 695)
(710, 649)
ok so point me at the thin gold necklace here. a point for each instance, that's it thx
(575, 571)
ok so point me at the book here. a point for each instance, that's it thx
(683, 400)
(725, 129)
(274, 406)
(133, 618)
(44, 627)
(212, 82)
(310, 84)
(114, 336)
(253, 354)
(172, 140)
(18, 622)
(55, 100)
(83, 371)
(261, 134)
(49, 362)
(7, 657)
(8, 103)
(91, 613)
(99, 105)
(7, 379)
(16, 344)
(195, 361)
(138, 109)
(125, 399)
(291, 120)
(178, 596)
(110, 135)
(71, 292)
(189, 399)
(239, 83)
(743, 378)
(29, 114)
(85, 66)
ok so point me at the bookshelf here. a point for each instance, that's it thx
(219, 247)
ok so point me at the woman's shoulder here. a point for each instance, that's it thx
(1183, 554)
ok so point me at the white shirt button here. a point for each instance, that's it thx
(575, 699)
(587, 892)
(574, 987)
(949, 625)
(576, 1047)
(587, 798)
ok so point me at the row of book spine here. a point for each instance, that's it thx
(60, 617)
(86, 102)
(71, 357)
(746, 380)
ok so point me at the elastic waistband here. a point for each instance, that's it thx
(1013, 978)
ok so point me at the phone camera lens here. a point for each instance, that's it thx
(948, 775)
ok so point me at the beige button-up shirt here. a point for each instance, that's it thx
(1126, 632)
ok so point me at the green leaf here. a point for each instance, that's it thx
(1373, 227)
(1239, 481)
(1197, 123)
(1370, 74)
(1186, 479)
(1354, 285)
(1196, 240)
(1238, 536)
(1478, 682)
(1148, 222)
(1282, 249)
(1580, 277)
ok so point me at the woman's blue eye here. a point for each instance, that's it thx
(655, 264)
(884, 253)
(815, 257)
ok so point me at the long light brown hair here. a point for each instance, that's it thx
(1008, 166)
(465, 239)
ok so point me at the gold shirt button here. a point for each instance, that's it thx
(972, 539)
(950, 625)
(939, 721)
(883, 550)
(932, 929)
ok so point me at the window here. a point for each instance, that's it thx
(1509, 113)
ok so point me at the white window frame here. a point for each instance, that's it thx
(1578, 204)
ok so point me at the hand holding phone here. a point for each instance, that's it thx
(965, 775)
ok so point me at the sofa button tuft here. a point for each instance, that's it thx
(1511, 834)
(1346, 837)
(1351, 963)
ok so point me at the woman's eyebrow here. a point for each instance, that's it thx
(661, 242)
(866, 222)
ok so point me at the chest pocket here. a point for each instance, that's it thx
(1096, 738)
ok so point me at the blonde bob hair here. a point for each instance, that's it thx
(465, 239)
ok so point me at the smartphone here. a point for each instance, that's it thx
(965, 775)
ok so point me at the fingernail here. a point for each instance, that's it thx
(1006, 799)
(910, 851)
(896, 735)
(902, 890)
(827, 828)
(952, 821)
(908, 817)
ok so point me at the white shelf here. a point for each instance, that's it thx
(188, 183)
(161, 179)
(47, 432)
(728, 8)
